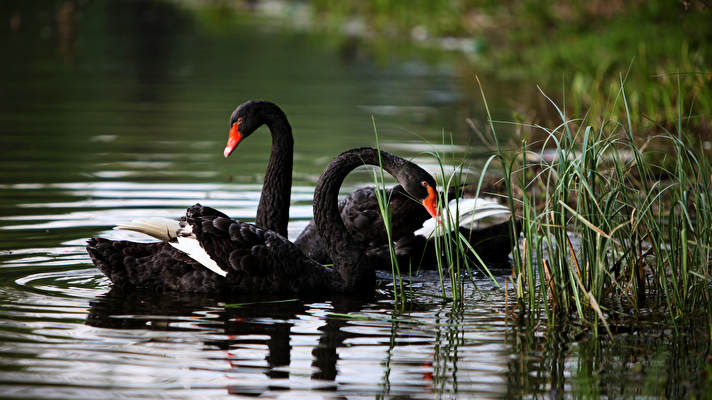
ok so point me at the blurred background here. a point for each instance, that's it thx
(83, 74)
(141, 91)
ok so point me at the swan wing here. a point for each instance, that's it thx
(482, 213)
(156, 266)
(257, 260)
(177, 235)
(160, 228)
(192, 248)
(429, 229)
(473, 214)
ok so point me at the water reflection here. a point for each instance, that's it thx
(272, 344)
(636, 362)
(74, 333)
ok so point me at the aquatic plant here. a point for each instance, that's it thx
(458, 260)
(383, 206)
(612, 226)
(610, 229)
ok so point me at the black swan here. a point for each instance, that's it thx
(250, 259)
(273, 208)
(359, 210)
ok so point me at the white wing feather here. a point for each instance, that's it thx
(474, 214)
(160, 228)
(180, 237)
(192, 248)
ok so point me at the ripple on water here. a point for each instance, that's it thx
(65, 334)
(63, 328)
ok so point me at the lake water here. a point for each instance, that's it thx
(118, 110)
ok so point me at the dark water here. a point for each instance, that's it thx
(118, 110)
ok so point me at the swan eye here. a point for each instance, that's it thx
(239, 120)
(424, 184)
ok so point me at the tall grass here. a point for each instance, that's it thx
(613, 226)
(384, 208)
(457, 258)
(449, 244)
(610, 226)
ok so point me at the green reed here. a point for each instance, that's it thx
(639, 211)
(452, 245)
(457, 258)
(384, 208)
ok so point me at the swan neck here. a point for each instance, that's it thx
(326, 209)
(273, 208)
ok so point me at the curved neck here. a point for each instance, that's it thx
(327, 217)
(273, 209)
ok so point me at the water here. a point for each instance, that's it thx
(113, 111)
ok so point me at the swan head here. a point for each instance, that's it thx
(246, 118)
(421, 185)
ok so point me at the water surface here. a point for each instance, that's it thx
(118, 110)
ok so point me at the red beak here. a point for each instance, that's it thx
(431, 202)
(233, 139)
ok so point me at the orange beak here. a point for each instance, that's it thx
(233, 139)
(431, 202)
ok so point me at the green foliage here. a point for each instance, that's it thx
(583, 46)
(391, 16)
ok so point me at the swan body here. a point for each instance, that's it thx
(253, 259)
